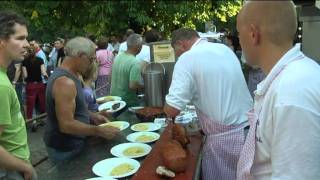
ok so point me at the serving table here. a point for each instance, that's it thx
(98, 149)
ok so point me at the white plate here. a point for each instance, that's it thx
(101, 178)
(121, 124)
(103, 168)
(108, 98)
(148, 126)
(134, 109)
(108, 106)
(119, 149)
(161, 121)
(133, 136)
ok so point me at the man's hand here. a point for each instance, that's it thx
(105, 114)
(28, 172)
(170, 111)
(107, 132)
(97, 118)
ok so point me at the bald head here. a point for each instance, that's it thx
(276, 20)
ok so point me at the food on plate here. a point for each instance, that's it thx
(174, 156)
(149, 113)
(163, 171)
(133, 151)
(115, 106)
(179, 134)
(145, 138)
(141, 127)
(121, 169)
(114, 124)
(105, 99)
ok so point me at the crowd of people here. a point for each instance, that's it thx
(269, 131)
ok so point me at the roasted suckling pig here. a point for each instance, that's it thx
(174, 156)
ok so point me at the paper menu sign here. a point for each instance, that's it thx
(162, 52)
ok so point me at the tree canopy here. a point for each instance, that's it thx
(49, 19)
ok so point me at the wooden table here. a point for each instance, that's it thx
(147, 170)
(98, 149)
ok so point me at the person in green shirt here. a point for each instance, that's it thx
(14, 150)
(126, 72)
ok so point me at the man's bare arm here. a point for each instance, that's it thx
(10, 162)
(24, 72)
(17, 73)
(135, 85)
(64, 93)
(170, 111)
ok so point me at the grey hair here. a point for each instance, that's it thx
(134, 40)
(78, 46)
(183, 34)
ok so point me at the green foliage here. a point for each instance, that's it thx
(50, 19)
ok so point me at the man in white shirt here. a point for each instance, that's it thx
(209, 75)
(284, 140)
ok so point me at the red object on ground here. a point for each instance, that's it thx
(149, 165)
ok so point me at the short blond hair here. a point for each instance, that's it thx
(277, 19)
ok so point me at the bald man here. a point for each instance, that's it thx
(284, 140)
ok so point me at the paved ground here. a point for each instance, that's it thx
(38, 152)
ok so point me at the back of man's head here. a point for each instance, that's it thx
(277, 20)
(7, 21)
(129, 32)
(61, 40)
(183, 34)
(102, 43)
(151, 36)
(134, 40)
(80, 46)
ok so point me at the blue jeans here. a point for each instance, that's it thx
(57, 156)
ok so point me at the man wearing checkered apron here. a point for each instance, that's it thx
(209, 76)
(283, 141)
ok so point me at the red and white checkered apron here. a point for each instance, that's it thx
(221, 150)
(247, 154)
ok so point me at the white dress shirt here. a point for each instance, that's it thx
(210, 76)
(288, 129)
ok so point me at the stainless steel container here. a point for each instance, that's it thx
(153, 77)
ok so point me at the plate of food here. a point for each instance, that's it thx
(147, 126)
(104, 99)
(130, 150)
(112, 106)
(143, 137)
(121, 125)
(101, 178)
(116, 167)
